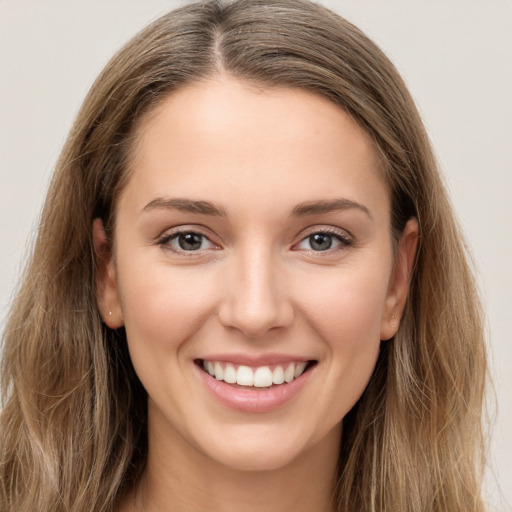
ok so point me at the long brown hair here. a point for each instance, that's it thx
(73, 426)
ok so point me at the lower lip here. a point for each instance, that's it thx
(253, 400)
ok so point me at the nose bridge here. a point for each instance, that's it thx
(254, 298)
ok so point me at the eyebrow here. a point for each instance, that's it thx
(328, 206)
(186, 205)
(208, 208)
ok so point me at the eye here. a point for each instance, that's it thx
(324, 241)
(187, 241)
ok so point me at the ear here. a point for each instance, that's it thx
(107, 293)
(399, 282)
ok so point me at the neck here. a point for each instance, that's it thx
(181, 479)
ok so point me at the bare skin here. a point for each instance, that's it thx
(193, 484)
(255, 226)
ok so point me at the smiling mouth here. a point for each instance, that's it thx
(256, 378)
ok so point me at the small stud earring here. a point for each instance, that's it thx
(110, 313)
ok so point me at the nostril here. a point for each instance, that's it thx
(254, 320)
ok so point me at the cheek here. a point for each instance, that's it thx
(345, 313)
(163, 308)
(347, 306)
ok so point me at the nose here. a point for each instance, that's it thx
(254, 295)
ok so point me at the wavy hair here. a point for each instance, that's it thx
(73, 429)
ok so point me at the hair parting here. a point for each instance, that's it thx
(73, 427)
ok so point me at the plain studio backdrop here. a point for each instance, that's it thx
(455, 55)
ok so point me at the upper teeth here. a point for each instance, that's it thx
(260, 377)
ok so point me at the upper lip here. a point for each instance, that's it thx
(255, 360)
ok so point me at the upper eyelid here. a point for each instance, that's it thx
(344, 238)
(164, 243)
(202, 230)
(331, 230)
(171, 233)
(177, 230)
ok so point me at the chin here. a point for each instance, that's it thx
(256, 462)
(261, 451)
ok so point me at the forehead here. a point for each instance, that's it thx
(226, 138)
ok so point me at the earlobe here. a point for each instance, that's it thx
(399, 282)
(105, 279)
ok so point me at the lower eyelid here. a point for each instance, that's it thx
(344, 241)
(165, 240)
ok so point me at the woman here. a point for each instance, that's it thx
(248, 290)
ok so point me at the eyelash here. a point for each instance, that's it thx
(344, 240)
(164, 241)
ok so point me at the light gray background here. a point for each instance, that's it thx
(455, 55)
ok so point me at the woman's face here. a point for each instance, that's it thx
(253, 271)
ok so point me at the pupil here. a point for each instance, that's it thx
(190, 241)
(320, 242)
